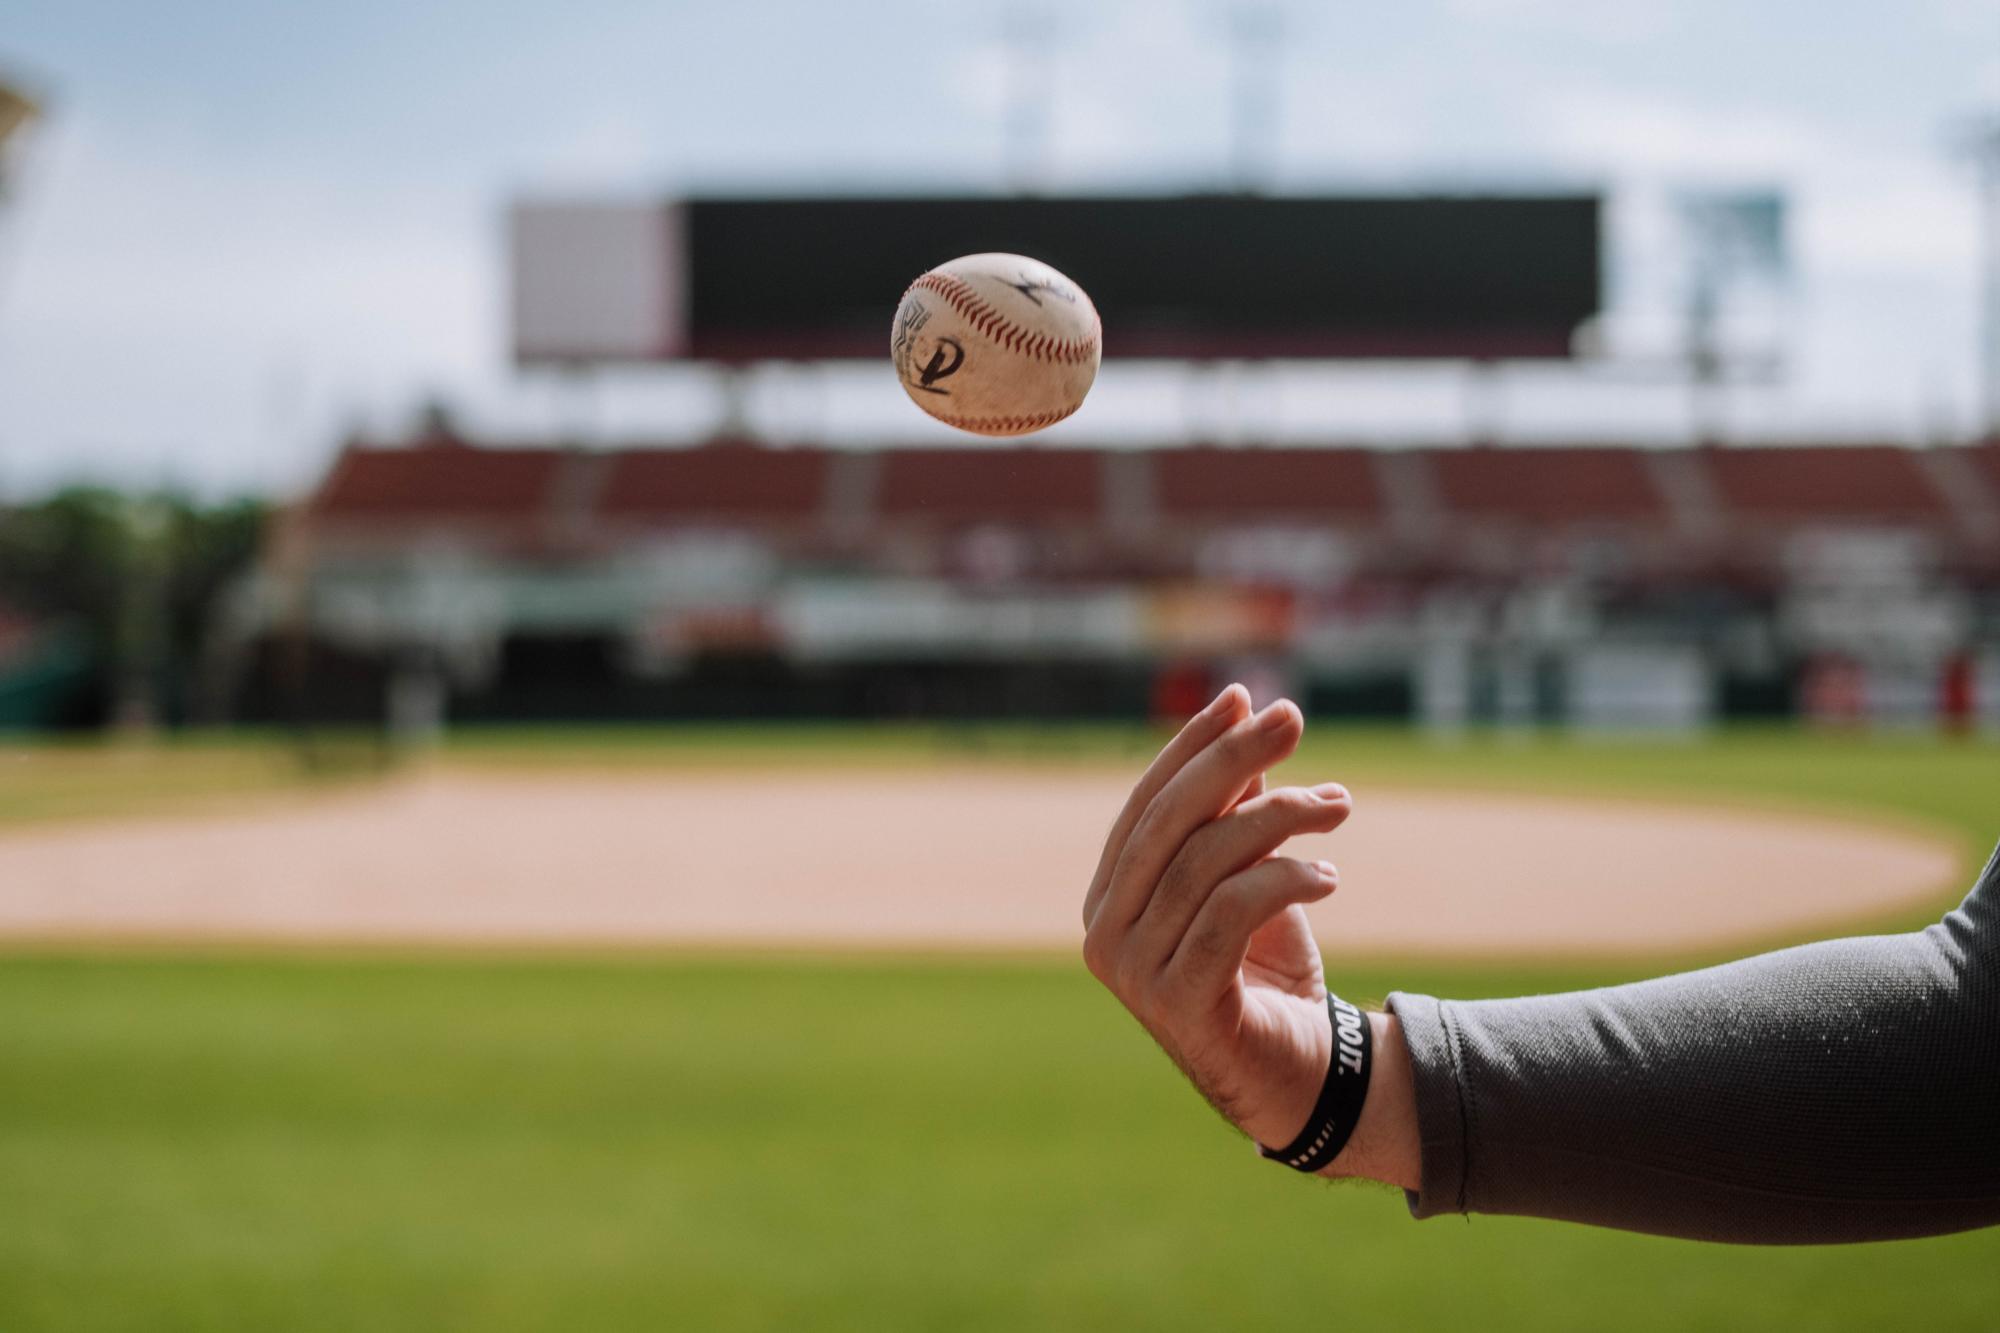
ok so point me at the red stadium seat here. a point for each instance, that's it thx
(1265, 484)
(1547, 485)
(1822, 484)
(438, 480)
(983, 484)
(715, 483)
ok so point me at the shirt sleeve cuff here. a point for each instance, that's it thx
(1441, 1103)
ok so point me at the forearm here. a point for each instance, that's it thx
(1842, 1091)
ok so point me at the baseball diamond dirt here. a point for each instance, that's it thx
(949, 858)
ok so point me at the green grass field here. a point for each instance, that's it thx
(322, 1140)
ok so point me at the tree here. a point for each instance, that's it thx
(139, 576)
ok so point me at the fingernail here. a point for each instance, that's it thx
(1271, 718)
(1327, 871)
(1330, 791)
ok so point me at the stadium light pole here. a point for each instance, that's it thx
(1256, 40)
(1257, 30)
(1029, 31)
(1982, 144)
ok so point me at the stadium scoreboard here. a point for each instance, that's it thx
(1185, 277)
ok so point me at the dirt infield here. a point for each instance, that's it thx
(976, 857)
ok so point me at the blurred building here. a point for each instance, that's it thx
(436, 578)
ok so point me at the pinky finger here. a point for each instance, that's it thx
(1213, 949)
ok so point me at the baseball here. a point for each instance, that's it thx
(996, 344)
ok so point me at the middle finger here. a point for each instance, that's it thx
(1234, 842)
(1206, 786)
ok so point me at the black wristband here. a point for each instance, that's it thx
(1338, 1109)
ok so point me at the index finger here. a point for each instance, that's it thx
(1222, 713)
(1207, 785)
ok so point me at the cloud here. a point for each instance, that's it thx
(166, 276)
(1856, 205)
(1131, 92)
(1623, 22)
(1627, 134)
(156, 290)
(602, 147)
(1986, 83)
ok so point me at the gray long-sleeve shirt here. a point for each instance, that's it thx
(1841, 1091)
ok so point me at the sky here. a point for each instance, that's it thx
(248, 230)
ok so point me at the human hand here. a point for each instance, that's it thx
(1200, 930)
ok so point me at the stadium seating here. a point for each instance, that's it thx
(438, 480)
(1824, 484)
(1009, 484)
(1409, 581)
(396, 494)
(1547, 485)
(1233, 485)
(720, 483)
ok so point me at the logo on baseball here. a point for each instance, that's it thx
(996, 344)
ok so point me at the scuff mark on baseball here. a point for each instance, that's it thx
(996, 344)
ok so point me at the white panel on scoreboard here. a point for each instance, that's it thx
(596, 282)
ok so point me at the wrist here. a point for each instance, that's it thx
(1385, 1145)
(1286, 1101)
(1344, 1068)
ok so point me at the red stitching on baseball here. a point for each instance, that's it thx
(1007, 425)
(964, 299)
